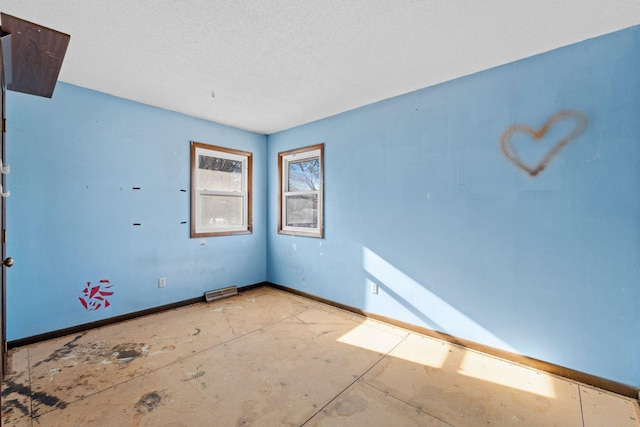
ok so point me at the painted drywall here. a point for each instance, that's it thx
(75, 160)
(420, 199)
(464, 237)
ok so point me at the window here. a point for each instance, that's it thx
(220, 191)
(301, 191)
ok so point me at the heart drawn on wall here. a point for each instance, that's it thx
(580, 125)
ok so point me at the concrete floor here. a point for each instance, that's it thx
(270, 358)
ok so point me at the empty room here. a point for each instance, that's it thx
(320, 213)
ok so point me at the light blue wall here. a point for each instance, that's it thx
(74, 161)
(420, 199)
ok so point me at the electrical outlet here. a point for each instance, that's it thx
(374, 288)
(162, 282)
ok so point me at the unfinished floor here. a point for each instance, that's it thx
(270, 358)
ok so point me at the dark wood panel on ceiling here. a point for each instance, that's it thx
(37, 55)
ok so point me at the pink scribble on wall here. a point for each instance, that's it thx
(94, 297)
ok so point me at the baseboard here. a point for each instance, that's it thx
(571, 374)
(111, 320)
(588, 379)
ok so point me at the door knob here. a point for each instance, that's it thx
(8, 262)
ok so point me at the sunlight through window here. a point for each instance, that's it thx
(490, 369)
(423, 351)
(373, 336)
(406, 292)
(445, 317)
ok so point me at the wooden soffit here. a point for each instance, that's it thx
(37, 53)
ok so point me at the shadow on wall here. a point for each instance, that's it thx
(443, 317)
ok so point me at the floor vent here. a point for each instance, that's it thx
(221, 293)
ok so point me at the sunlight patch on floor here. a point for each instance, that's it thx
(497, 371)
(373, 337)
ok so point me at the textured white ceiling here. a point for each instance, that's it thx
(276, 64)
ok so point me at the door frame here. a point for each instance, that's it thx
(3, 233)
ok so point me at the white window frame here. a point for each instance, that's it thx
(284, 158)
(198, 149)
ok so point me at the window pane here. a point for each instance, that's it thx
(302, 211)
(219, 174)
(304, 175)
(221, 211)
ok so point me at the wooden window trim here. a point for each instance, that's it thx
(281, 156)
(194, 191)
